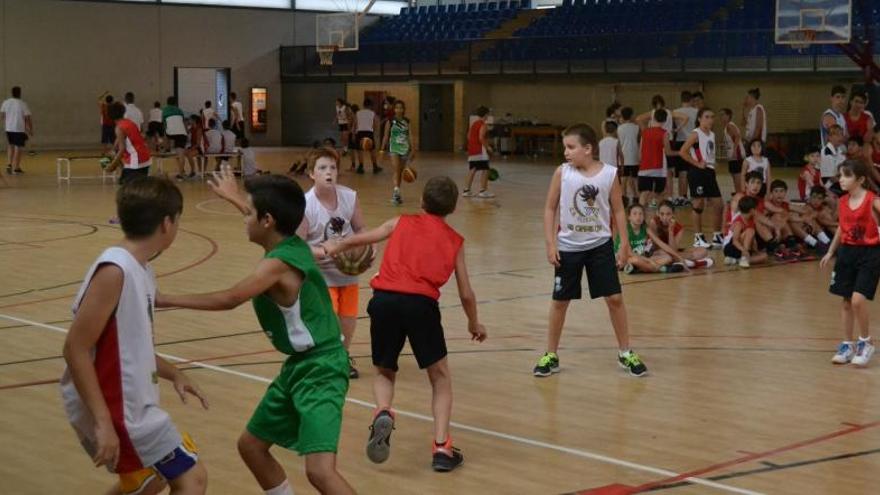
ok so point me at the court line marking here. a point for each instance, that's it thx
(473, 429)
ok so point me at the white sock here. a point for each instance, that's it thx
(623, 352)
(823, 237)
(864, 339)
(282, 489)
(810, 240)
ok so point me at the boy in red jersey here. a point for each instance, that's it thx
(130, 147)
(857, 269)
(740, 246)
(478, 149)
(810, 175)
(404, 306)
(652, 166)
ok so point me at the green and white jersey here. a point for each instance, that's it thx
(310, 323)
(399, 137)
(639, 242)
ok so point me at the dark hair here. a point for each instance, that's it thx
(481, 111)
(211, 123)
(838, 90)
(666, 203)
(858, 93)
(626, 113)
(440, 196)
(144, 203)
(660, 115)
(401, 103)
(702, 112)
(207, 103)
(757, 140)
(610, 127)
(657, 100)
(813, 149)
(697, 94)
(686, 96)
(108, 99)
(778, 184)
(172, 100)
(329, 141)
(245, 143)
(754, 174)
(818, 191)
(116, 110)
(340, 100)
(196, 118)
(856, 139)
(726, 111)
(585, 134)
(755, 93)
(129, 97)
(225, 124)
(856, 168)
(368, 103)
(316, 144)
(632, 207)
(156, 104)
(280, 197)
(16, 92)
(355, 108)
(747, 204)
(233, 95)
(611, 109)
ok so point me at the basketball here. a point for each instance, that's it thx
(408, 174)
(493, 174)
(356, 260)
(367, 144)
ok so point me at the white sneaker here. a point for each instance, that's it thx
(744, 262)
(467, 193)
(717, 241)
(700, 242)
(864, 351)
(845, 353)
(730, 261)
(709, 262)
(486, 194)
(689, 263)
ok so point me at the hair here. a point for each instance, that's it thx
(321, 152)
(856, 139)
(207, 103)
(368, 103)
(355, 108)
(755, 93)
(757, 140)
(245, 143)
(858, 169)
(697, 94)
(660, 115)
(280, 197)
(778, 184)
(116, 110)
(156, 104)
(657, 100)
(328, 141)
(401, 103)
(626, 113)
(835, 129)
(611, 109)
(144, 203)
(858, 93)
(129, 97)
(610, 127)
(726, 111)
(666, 203)
(747, 204)
(632, 207)
(16, 92)
(172, 100)
(440, 196)
(754, 175)
(813, 149)
(481, 111)
(837, 89)
(225, 124)
(586, 136)
(703, 112)
(686, 96)
(818, 191)
(108, 99)
(340, 100)
(211, 123)
(233, 95)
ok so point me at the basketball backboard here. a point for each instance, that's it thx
(339, 30)
(806, 22)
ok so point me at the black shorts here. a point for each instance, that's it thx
(703, 183)
(396, 317)
(601, 267)
(359, 137)
(130, 174)
(179, 140)
(155, 129)
(478, 165)
(735, 167)
(343, 127)
(630, 171)
(108, 134)
(732, 251)
(857, 269)
(16, 138)
(676, 162)
(238, 129)
(652, 184)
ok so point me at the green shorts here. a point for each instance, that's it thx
(302, 408)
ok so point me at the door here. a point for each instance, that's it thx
(437, 117)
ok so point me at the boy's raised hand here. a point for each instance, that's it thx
(224, 183)
(478, 331)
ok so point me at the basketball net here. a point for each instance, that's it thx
(326, 54)
(807, 36)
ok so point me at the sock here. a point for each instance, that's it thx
(690, 264)
(865, 339)
(282, 489)
(823, 237)
(810, 240)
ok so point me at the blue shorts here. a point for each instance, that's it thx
(172, 466)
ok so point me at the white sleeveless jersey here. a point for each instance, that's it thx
(704, 148)
(839, 119)
(325, 224)
(760, 165)
(341, 115)
(585, 208)
(733, 152)
(752, 124)
(125, 362)
(608, 151)
(365, 119)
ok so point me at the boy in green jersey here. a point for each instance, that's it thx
(302, 408)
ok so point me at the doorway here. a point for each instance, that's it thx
(437, 117)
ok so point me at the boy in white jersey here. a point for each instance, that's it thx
(754, 117)
(367, 123)
(735, 150)
(835, 114)
(628, 134)
(609, 147)
(699, 152)
(109, 388)
(677, 166)
(332, 212)
(585, 193)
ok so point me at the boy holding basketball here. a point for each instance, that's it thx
(302, 408)
(332, 212)
(404, 306)
(109, 387)
(584, 195)
(478, 155)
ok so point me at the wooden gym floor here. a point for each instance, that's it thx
(741, 396)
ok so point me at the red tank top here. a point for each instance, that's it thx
(105, 115)
(652, 148)
(420, 256)
(815, 180)
(475, 146)
(663, 231)
(858, 226)
(857, 127)
(136, 153)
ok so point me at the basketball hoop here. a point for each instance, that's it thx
(806, 37)
(326, 54)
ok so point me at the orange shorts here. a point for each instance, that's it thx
(345, 300)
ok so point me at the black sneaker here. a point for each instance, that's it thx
(446, 457)
(9, 170)
(376, 169)
(631, 362)
(353, 373)
(379, 444)
(547, 365)
(19, 171)
(360, 169)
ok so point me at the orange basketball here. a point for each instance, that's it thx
(367, 144)
(409, 174)
(356, 260)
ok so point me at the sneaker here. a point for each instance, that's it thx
(864, 351)
(717, 241)
(395, 197)
(744, 262)
(353, 372)
(180, 178)
(467, 193)
(675, 268)
(822, 248)
(845, 353)
(685, 201)
(700, 242)
(377, 169)
(547, 365)
(631, 361)
(446, 457)
(730, 261)
(709, 262)
(360, 169)
(629, 269)
(486, 194)
(379, 444)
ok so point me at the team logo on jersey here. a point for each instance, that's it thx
(586, 198)
(857, 233)
(710, 147)
(334, 228)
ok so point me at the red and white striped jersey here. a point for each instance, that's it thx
(136, 153)
(704, 149)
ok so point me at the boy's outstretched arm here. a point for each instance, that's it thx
(267, 273)
(468, 299)
(371, 236)
(95, 310)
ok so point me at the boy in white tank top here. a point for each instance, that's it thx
(332, 213)
(585, 193)
(699, 152)
(109, 387)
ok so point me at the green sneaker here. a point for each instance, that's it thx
(547, 365)
(631, 361)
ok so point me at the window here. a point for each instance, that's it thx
(387, 7)
(270, 4)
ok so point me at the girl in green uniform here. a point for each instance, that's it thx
(650, 253)
(399, 141)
